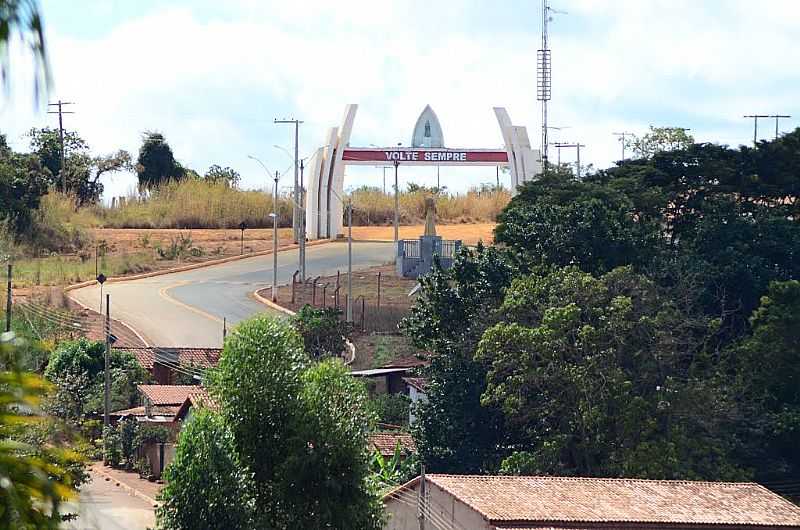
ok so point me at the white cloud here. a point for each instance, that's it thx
(213, 85)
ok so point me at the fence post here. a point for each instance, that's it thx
(294, 282)
(363, 313)
(336, 298)
(379, 290)
(314, 291)
(324, 291)
(8, 301)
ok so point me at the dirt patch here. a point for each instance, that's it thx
(381, 290)
(470, 234)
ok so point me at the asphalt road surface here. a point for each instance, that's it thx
(187, 308)
(104, 506)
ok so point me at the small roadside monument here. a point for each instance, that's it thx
(415, 257)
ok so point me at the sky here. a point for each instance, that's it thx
(212, 76)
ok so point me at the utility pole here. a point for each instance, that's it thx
(8, 301)
(421, 499)
(275, 241)
(396, 207)
(622, 136)
(60, 113)
(302, 211)
(777, 117)
(295, 211)
(106, 370)
(350, 260)
(755, 124)
(544, 79)
(384, 168)
(577, 146)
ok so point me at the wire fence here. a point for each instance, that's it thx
(373, 310)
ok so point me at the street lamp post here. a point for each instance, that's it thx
(396, 206)
(350, 260)
(274, 215)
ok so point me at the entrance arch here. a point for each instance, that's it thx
(325, 168)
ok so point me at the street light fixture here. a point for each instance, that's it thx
(274, 216)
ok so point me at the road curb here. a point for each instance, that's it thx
(130, 489)
(271, 304)
(193, 266)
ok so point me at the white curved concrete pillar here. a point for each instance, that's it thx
(324, 185)
(337, 172)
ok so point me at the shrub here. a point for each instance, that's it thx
(323, 331)
(112, 446)
(207, 487)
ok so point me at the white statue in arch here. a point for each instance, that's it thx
(427, 131)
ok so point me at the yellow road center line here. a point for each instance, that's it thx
(163, 294)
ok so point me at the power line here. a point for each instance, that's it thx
(60, 113)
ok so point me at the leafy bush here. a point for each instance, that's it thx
(323, 331)
(284, 422)
(112, 446)
(143, 468)
(74, 360)
(207, 486)
(126, 430)
(390, 408)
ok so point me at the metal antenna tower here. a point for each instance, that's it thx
(544, 78)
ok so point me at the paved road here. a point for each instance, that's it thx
(187, 308)
(104, 506)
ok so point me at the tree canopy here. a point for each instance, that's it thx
(156, 163)
(639, 321)
(297, 429)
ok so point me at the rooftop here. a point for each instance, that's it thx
(539, 502)
(199, 357)
(386, 442)
(170, 394)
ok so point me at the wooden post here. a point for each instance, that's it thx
(379, 290)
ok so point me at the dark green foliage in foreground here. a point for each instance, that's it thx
(207, 487)
(291, 436)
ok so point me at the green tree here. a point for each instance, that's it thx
(156, 163)
(558, 220)
(22, 185)
(604, 377)
(454, 433)
(82, 170)
(659, 139)
(229, 177)
(323, 331)
(83, 360)
(766, 367)
(206, 466)
(300, 429)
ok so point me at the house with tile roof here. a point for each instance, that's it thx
(164, 364)
(386, 442)
(460, 502)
